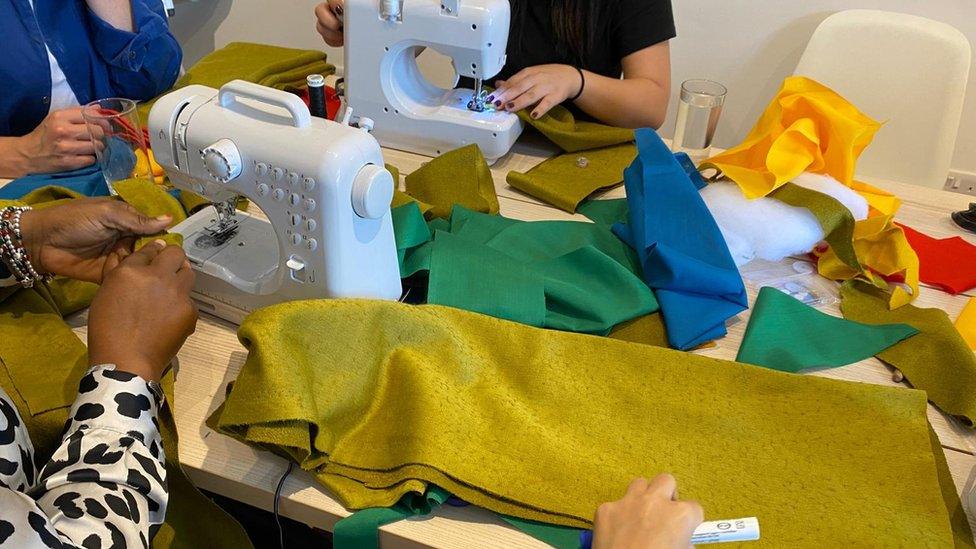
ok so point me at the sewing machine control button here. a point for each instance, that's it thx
(294, 199)
(278, 195)
(296, 238)
(222, 160)
(310, 224)
(261, 169)
(297, 267)
(311, 244)
(296, 220)
(309, 205)
(372, 192)
(263, 189)
(277, 174)
(293, 179)
(309, 184)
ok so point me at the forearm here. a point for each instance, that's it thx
(117, 13)
(13, 162)
(627, 103)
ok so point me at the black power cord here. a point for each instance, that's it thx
(277, 498)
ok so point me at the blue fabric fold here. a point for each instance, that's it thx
(86, 181)
(682, 253)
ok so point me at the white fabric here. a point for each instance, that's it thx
(842, 193)
(765, 227)
(907, 71)
(62, 96)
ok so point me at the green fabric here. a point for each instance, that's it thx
(561, 181)
(461, 176)
(835, 219)
(273, 66)
(42, 362)
(361, 529)
(605, 212)
(556, 274)
(786, 334)
(546, 425)
(937, 360)
(571, 135)
(560, 537)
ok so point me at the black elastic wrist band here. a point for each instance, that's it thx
(582, 84)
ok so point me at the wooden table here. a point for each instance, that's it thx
(212, 357)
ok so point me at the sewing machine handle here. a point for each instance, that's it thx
(235, 89)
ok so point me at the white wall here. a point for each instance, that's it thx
(749, 45)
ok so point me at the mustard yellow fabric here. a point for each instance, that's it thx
(273, 66)
(936, 360)
(461, 176)
(966, 323)
(41, 363)
(571, 135)
(562, 182)
(516, 419)
(806, 128)
(153, 201)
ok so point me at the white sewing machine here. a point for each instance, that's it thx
(321, 184)
(384, 84)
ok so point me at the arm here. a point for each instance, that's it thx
(134, 40)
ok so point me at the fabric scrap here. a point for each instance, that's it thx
(825, 184)
(498, 414)
(571, 135)
(966, 323)
(937, 360)
(836, 220)
(949, 264)
(681, 250)
(361, 529)
(461, 176)
(566, 180)
(786, 334)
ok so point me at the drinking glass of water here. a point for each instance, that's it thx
(698, 113)
(120, 142)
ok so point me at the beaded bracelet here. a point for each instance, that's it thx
(12, 250)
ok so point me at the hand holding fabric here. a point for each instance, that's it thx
(649, 516)
(543, 86)
(76, 240)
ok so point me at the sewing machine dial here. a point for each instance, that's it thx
(222, 160)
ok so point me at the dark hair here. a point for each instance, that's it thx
(578, 24)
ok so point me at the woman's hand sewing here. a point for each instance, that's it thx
(649, 516)
(76, 239)
(543, 87)
(143, 313)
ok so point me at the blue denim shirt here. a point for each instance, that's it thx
(98, 60)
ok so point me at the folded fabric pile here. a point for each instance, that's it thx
(515, 419)
(42, 361)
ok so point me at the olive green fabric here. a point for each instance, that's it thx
(153, 201)
(788, 335)
(835, 219)
(556, 274)
(273, 66)
(42, 362)
(571, 135)
(937, 360)
(961, 529)
(565, 181)
(646, 330)
(546, 425)
(461, 176)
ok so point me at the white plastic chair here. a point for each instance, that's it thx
(906, 70)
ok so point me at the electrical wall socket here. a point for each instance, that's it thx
(961, 182)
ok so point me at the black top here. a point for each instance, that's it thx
(628, 27)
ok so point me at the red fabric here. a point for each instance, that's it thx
(948, 263)
(332, 101)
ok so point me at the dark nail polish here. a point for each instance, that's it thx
(498, 103)
(490, 98)
(535, 115)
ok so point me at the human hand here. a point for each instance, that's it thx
(142, 314)
(649, 516)
(76, 239)
(328, 21)
(61, 142)
(543, 86)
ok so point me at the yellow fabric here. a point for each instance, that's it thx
(545, 425)
(461, 176)
(807, 128)
(966, 323)
(880, 245)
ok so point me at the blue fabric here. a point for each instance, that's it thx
(87, 181)
(689, 166)
(98, 60)
(683, 255)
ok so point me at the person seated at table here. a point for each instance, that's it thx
(608, 60)
(59, 55)
(105, 486)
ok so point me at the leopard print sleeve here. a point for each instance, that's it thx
(105, 486)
